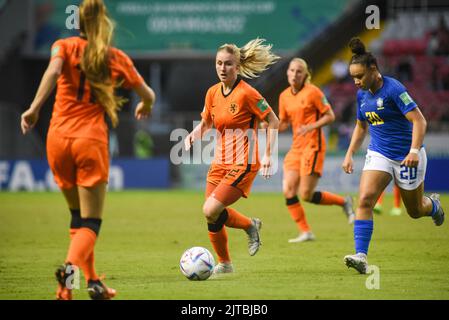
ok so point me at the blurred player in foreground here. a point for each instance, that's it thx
(85, 70)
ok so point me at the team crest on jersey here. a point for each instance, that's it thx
(380, 104)
(233, 108)
(405, 97)
(262, 105)
(55, 51)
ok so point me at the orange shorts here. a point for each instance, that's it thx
(306, 162)
(77, 161)
(238, 177)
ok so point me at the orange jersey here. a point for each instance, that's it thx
(236, 117)
(305, 107)
(75, 113)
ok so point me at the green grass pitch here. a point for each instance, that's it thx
(144, 234)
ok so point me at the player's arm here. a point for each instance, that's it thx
(419, 130)
(148, 97)
(272, 129)
(48, 82)
(198, 132)
(283, 125)
(327, 118)
(359, 134)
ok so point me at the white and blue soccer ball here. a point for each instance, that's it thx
(197, 263)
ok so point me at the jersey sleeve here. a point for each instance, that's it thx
(128, 71)
(283, 115)
(257, 104)
(205, 114)
(320, 101)
(400, 96)
(58, 50)
(359, 111)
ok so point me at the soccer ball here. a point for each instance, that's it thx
(197, 263)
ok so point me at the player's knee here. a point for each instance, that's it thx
(289, 191)
(210, 212)
(367, 201)
(414, 214)
(306, 195)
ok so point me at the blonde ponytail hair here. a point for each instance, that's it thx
(308, 78)
(99, 29)
(253, 58)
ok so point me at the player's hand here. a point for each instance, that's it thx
(348, 164)
(411, 160)
(264, 125)
(266, 167)
(188, 141)
(28, 120)
(143, 111)
(303, 129)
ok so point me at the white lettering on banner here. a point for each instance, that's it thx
(4, 167)
(22, 177)
(50, 181)
(196, 7)
(116, 178)
(172, 24)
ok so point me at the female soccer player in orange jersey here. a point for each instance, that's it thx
(305, 107)
(85, 69)
(234, 108)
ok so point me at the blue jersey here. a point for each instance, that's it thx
(391, 132)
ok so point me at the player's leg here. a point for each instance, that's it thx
(372, 184)
(229, 195)
(64, 171)
(311, 171)
(216, 217)
(91, 205)
(290, 186)
(92, 175)
(293, 164)
(72, 198)
(410, 180)
(418, 205)
(238, 182)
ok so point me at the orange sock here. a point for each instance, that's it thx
(381, 198)
(219, 241)
(237, 220)
(81, 246)
(396, 197)
(298, 215)
(327, 198)
(88, 266)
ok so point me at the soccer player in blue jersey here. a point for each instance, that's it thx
(397, 128)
